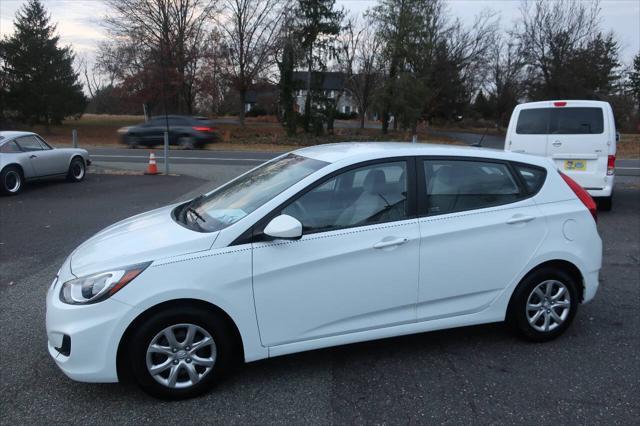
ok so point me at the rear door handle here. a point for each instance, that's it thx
(33, 156)
(390, 243)
(557, 143)
(520, 219)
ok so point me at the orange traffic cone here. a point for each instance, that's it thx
(152, 169)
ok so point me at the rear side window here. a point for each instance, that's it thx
(533, 176)
(30, 143)
(533, 121)
(576, 121)
(453, 185)
(9, 147)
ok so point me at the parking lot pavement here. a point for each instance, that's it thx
(471, 375)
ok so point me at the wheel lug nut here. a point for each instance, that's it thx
(188, 359)
(187, 347)
(175, 361)
(174, 350)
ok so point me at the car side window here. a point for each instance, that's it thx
(367, 195)
(533, 176)
(30, 143)
(10, 147)
(458, 185)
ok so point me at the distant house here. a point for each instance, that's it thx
(328, 84)
(262, 98)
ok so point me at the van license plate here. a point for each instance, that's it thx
(575, 165)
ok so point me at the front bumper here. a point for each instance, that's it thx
(93, 334)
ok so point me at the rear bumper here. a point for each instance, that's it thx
(606, 191)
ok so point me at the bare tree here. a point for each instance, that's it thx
(249, 29)
(159, 40)
(505, 79)
(564, 50)
(359, 57)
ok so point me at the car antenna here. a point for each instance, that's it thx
(479, 143)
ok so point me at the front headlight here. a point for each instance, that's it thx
(97, 287)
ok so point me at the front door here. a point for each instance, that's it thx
(44, 160)
(354, 269)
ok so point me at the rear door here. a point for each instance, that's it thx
(578, 143)
(479, 229)
(530, 133)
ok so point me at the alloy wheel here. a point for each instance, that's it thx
(181, 355)
(548, 305)
(12, 181)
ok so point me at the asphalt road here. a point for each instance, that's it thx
(476, 375)
(198, 162)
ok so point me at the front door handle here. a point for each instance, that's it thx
(520, 219)
(557, 144)
(390, 243)
(33, 156)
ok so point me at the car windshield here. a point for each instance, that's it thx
(232, 202)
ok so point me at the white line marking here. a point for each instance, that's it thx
(160, 157)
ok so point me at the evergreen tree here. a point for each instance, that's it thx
(39, 82)
(317, 23)
(634, 77)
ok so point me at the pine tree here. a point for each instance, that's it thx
(39, 82)
(634, 78)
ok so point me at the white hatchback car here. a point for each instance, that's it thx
(320, 247)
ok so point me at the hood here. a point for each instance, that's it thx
(146, 237)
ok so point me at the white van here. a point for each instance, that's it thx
(580, 136)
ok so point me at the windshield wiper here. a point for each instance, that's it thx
(195, 213)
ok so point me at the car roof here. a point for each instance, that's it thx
(363, 151)
(6, 135)
(567, 103)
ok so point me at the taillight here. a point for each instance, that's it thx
(202, 129)
(582, 195)
(611, 165)
(560, 104)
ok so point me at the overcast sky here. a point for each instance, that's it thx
(79, 20)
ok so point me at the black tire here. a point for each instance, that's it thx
(517, 315)
(77, 170)
(143, 336)
(186, 142)
(11, 180)
(133, 141)
(605, 203)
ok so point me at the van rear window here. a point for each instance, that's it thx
(533, 121)
(576, 121)
(560, 121)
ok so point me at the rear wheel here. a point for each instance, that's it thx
(544, 304)
(180, 353)
(11, 180)
(77, 170)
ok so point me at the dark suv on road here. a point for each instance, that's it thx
(187, 132)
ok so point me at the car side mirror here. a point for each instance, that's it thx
(284, 227)
(617, 137)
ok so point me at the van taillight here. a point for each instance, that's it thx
(611, 165)
(560, 104)
(582, 195)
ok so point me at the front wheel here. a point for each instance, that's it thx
(186, 142)
(180, 353)
(544, 304)
(77, 170)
